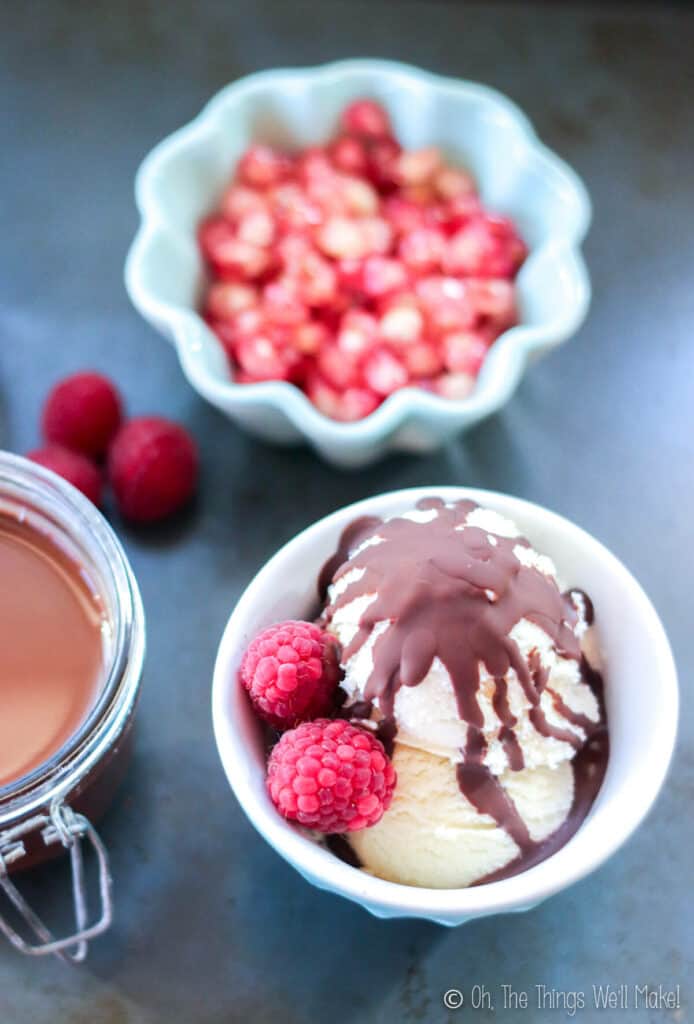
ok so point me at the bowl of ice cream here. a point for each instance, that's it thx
(300, 228)
(510, 668)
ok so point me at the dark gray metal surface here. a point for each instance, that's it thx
(211, 924)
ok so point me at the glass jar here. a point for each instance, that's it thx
(52, 808)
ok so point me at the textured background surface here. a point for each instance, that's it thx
(211, 924)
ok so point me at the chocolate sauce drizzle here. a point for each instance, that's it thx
(456, 594)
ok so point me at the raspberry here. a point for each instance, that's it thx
(291, 673)
(330, 776)
(153, 468)
(366, 119)
(82, 412)
(77, 469)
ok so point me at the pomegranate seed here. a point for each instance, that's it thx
(464, 352)
(257, 227)
(350, 275)
(357, 332)
(239, 200)
(365, 118)
(282, 304)
(402, 324)
(494, 300)
(262, 166)
(358, 197)
(403, 215)
(227, 298)
(460, 211)
(349, 154)
(250, 321)
(422, 359)
(383, 276)
(446, 303)
(421, 195)
(454, 385)
(308, 338)
(451, 183)
(422, 250)
(339, 368)
(292, 250)
(377, 234)
(417, 166)
(383, 155)
(485, 247)
(341, 238)
(384, 373)
(314, 164)
(228, 254)
(355, 404)
(260, 357)
(227, 334)
(317, 281)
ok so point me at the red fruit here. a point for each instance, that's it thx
(422, 250)
(382, 276)
(383, 156)
(357, 332)
(446, 303)
(239, 200)
(308, 338)
(454, 386)
(423, 359)
(401, 323)
(339, 368)
(265, 357)
(349, 155)
(153, 468)
(77, 469)
(417, 166)
(452, 183)
(262, 166)
(384, 373)
(228, 254)
(486, 247)
(464, 352)
(291, 673)
(225, 299)
(330, 776)
(281, 302)
(82, 412)
(257, 228)
(367, 119)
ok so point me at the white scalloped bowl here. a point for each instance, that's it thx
(182, 180)
(640, 692)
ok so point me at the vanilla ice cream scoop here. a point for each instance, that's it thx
(458, 642)
(433, 836)
(455, 628)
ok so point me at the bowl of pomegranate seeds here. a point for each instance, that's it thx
(363, 255)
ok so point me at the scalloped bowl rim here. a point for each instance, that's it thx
(515, 344)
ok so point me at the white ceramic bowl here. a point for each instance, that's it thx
(182, 180)
(641, 696)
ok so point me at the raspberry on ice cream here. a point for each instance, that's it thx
(77, 469)
(152, 467)
(330, 776)
(291, 673)
(82, 412)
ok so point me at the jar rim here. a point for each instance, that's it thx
(86, 526)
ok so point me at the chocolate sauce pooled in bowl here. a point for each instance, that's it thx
(455, 595)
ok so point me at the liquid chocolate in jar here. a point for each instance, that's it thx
(52, 663)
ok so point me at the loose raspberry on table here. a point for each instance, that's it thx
(152, 467)
(291, 672)
(331, 776)
(77, 469)
(82, 412)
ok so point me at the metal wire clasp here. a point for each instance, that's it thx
(60, 825)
